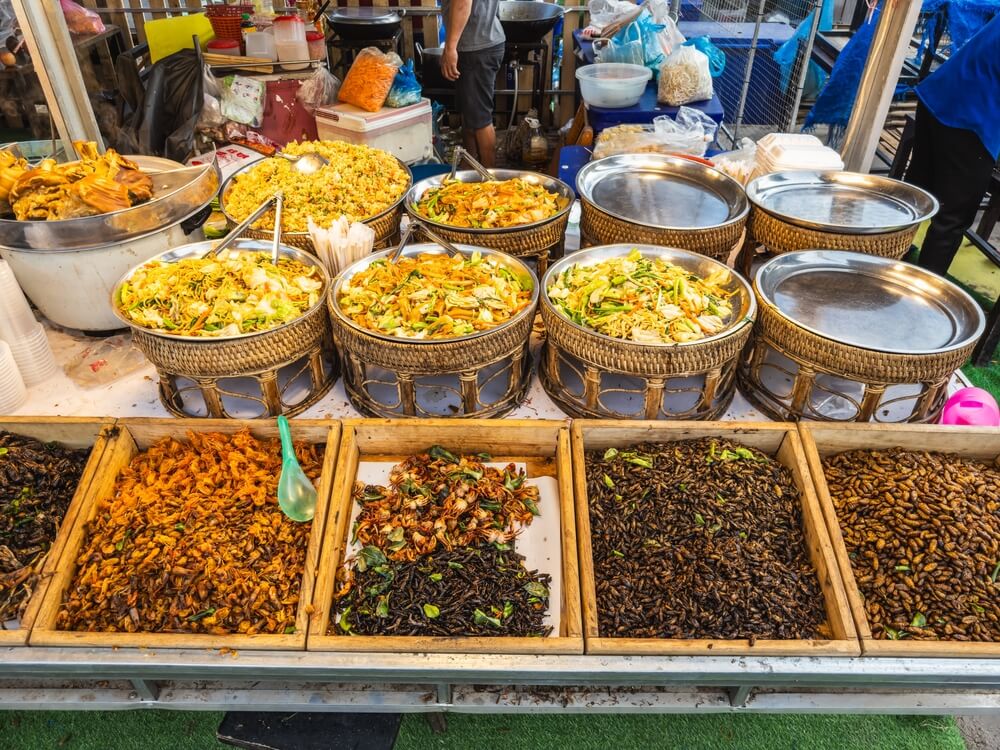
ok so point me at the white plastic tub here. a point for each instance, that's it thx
(612, 85)
(405, 132)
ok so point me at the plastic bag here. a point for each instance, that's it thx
(670, 37)
(716, 57)
(405, 88)
(690, 133)
(243, 100)
(739, 163)
(368, 81)
(80, 20)
(605, 12)
(103, 361)
(318, 90)
(685, 78)
(625, 47)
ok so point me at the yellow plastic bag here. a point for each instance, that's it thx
(370, 78)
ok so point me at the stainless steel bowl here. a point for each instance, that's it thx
(744, 302)
(164, 209)
(841, 202)
(513, 263)
(662, 192)
(196, 250)
(870, 302)
(551, 184)
(227, 185)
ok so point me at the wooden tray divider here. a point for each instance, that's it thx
(544, 445)
(134, 436)
(778, 440)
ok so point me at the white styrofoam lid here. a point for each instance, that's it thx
(354, 118)
(788, 139)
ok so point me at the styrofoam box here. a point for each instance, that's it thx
(405, 132)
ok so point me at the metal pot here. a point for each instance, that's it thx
(430, 68)
(365, 24)
(528, 22)
(68, 268)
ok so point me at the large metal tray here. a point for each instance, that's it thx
(198, 249)
(516, 265)
(744, 302)
(870, 302)
(165, 209)
(551, 184)
(842, 202)
(663, 192)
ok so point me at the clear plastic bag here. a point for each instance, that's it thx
(405, 88)
(605, 12)
(318, 90)
(670, 37)
(716, 57)
(370, 78)
(739, 163)
(625, 47)
(690, 133)
(80, 20)
(243, 100)
(103, 361)
(685, 78)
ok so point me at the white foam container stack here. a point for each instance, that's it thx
(783, 152)
(405, 132)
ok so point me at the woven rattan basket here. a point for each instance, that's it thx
(384, 224)
(792, 373)
(540, 241)
(591, 375)
(483, 375)
(281, 371)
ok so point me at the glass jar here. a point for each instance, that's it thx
(535, 146)
(290, 41)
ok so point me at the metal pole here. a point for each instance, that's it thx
(749, 71)
(800, 86)
(878, 82)
(58, 71)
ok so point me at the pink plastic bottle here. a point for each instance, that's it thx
(971, 406)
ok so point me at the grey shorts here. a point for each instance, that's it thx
(475, 85)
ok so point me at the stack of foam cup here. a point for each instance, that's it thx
(12, 390)
(25, 335)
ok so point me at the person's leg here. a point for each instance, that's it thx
(954, 166)
(475, 89)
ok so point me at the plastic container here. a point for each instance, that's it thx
(290, 41)
(224, 47)
(261, 44)
(13, 392)
(971, 406)
(316, 41)
(405, 132)
(16, 318)
(33, 356)
(612, 84)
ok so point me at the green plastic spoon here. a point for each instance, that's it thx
(296, 494)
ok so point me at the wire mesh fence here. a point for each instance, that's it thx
(768, 45)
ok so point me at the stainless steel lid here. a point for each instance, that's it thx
(842, 202)
(743, 300)
(365, 16)
(167, 207)
(663, 192)
(549, 183)
(870, 302)
(516, 265)
(196, 250)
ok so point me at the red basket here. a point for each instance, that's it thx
(221, 10)
(227, 27)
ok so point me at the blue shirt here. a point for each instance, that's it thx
(965, 91)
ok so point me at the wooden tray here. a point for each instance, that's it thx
(135, 435)
(543, 445)
(778, 440)
(72, 432)
(820, 440)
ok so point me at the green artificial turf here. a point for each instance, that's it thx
(172, 730)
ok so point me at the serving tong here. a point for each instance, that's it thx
(457, 157)
(278, 200)
(411, 229)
